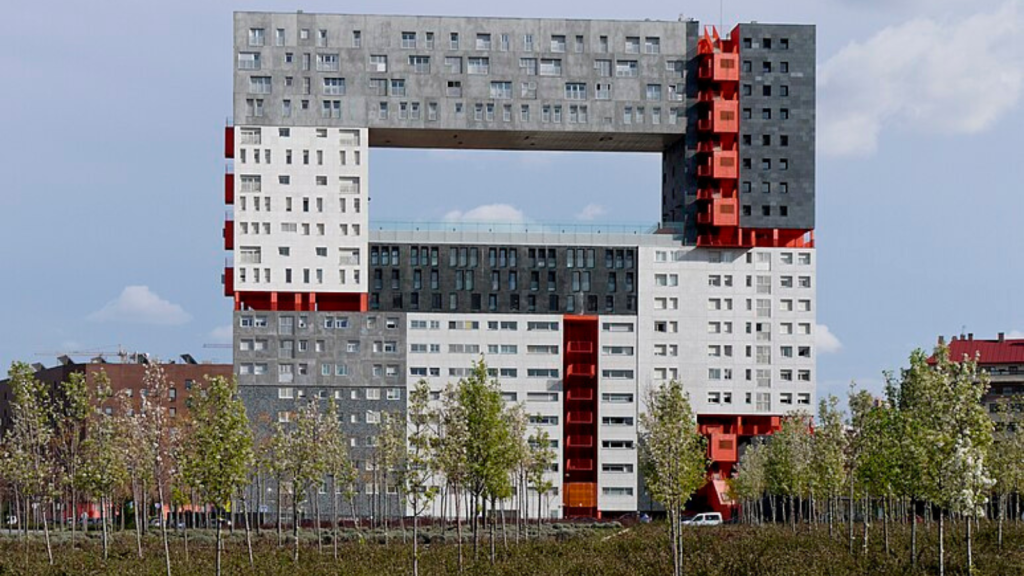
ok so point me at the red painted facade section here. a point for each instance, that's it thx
(579, 369)
(718, 214)
(301, 301)
(229, 142)
(229, 189)
(725, 434)
(229, 234)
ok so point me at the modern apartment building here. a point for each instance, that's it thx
(576, 323)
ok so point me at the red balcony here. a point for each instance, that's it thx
(725, 116)
(228, 279)
(725, 212)
(580, 394)
(229, 189)
(229, 141)
(705, 125)
(229, 234)
(580, 441)
(581, 347)
(722, 448)
(579, 464)
(726, 67)
(581, 418)
(581, 371)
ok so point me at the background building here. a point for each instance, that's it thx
(577, 323)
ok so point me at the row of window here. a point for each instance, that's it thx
(766, 44)
(764, 305)
(786, 375)
(288, 393)
(462, 372)
(763, 398)
(763, 328)
(725, 351)
(263, 156)
(287, 324)
(424, 348)
(500, 302)
(482, 41)
(720, 256)
(464, 280)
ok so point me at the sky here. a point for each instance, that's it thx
(111, 148)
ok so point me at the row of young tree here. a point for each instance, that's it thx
(78, 447)
(926, 451)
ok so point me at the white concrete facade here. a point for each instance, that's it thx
(300, 212)
(736, 327)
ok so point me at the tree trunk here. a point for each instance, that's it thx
(913, 533)
(970, 555)
(316, 516)
(850, 519)
(219, 532)
(335, 520)
(248, 532)
(942, 544)
(415, 542)
(163, 526)
(885, 523)
(103, 522)
(867, 522)
(1000, 509)
(280, 535)
(492, 523)
(295, 521)
(458, 526)
(135, 510)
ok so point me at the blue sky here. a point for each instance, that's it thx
(111, 206)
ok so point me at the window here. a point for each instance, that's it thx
(501, 90)
(558, 43)
(575, 91)
(259, 85)
(550, 67)
(453, 64)
(248, 60)
(408, 39)
(652, 45)
(397, 87)
(483, 41)
(603, 68)
(327, 62)
(626, 68)
(334, 86)
(654, 92)
(632, 44)
(256, 36)
(527, 42)
(420, 64)
(378, 63)
(478, 65)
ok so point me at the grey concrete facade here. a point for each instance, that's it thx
(467, 82)
(369, 348)
(777, 119)
(459, 278)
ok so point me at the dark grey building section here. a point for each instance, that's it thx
(503, 279)
(777, 119)
(286, 359)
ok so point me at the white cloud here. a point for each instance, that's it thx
(221, 334)
(489, 213)
(591, 212)
(954, 77)
(825, 341)
(140, 305)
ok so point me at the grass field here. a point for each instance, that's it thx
(571, 550)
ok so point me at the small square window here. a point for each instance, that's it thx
(766, 67)
(784, 188)
(766, 90)
(766, 210)
(748, 90)
(766, 187)
(746, 210)
(766, 113)
(784, 91)
(783, 140)
(766, 140)
(784, 113)
(748, 66)
(766, 43)
(784, 67)
(766, 164)
(784, 211)
(784, 43)
(748, 113)
(746, 185)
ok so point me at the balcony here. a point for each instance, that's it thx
(229, 234)
(229, 188)
(725, 212)
(722, 448)
(704, 125)
(580, 441)
(581, 347)
(580, 371)
(725, 116)
(228, 280)
(579, 394)
(726, 67)
(579, 464)
(580, 418)
(229, 141)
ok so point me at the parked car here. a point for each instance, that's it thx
(704, 519)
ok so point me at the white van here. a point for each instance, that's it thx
(704, 519)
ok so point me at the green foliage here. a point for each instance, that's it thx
(221, 456)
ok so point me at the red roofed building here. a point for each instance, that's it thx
(1003, 359)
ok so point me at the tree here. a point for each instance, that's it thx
(749, 484)
(337, 463)
(102, 467)
(541, 455)
(450, 457)
(789, 459)
(222, 445)
(27, 456)
(829, 446)
(673, 456)
(488, 437)
(419, 487)
(305, 462)
(71, 409)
